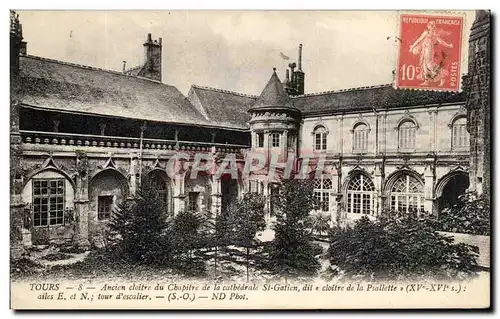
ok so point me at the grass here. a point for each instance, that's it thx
(24, 267)
(101, 264)
(229, 263)
(56, 256)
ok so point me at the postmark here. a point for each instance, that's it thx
(429, 55)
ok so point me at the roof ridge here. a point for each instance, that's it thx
(134, 68)
(223, 91)
(344, 90)
(91, 68)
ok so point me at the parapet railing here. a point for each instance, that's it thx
(87, 140)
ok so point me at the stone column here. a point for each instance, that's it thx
(284, 147)
(178, 195)
(332, 208)
(176, 138)
(433, 131)
(134, 169)
(332, 203)
(428, 188)
(384, 135)
(339, 134)
(267, 137)
(18, 234)
(246, 186)
(267, 195)
(81, 213)
(254, 140)
(81, 203)
(377, 181)
(216, 196)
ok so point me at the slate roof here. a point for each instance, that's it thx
(224, 107)
(57, 85)
(365, 98)
(273, 94)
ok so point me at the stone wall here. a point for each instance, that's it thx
(482, 242)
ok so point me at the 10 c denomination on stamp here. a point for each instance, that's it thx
(430, 52)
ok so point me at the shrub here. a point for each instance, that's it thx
(292, 252)
(469, 215)
(399, 246)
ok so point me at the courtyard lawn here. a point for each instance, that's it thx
(43, 262)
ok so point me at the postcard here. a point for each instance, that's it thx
(250, 159)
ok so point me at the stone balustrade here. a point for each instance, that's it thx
(85, 140)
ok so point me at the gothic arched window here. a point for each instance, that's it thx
(407, 194)
(361, 195)
(322, 189)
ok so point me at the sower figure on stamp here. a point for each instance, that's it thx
(431, 70)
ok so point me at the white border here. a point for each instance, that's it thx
(198, 4)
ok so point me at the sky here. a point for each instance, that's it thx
(231, 50)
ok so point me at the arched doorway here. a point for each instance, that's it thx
(107, 190)
(198, 193)
(162, 183)
(229, 190)
(450, 188)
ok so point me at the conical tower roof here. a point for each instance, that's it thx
(274, 94)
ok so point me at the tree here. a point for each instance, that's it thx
(470, 215)
(141, 226)
(292, 250)
(186, 239)
(399, 245)
(216, 232)
(320, 223)
(248, 218)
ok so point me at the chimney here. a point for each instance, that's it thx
(16, 42)
(292, 67)
(124, 66)
(152, 57)
(297, 82)
(299, 67)
(287, 78)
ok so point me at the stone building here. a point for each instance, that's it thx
(479, 104)
(82, 138)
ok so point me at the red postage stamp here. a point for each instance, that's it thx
(429, 52)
